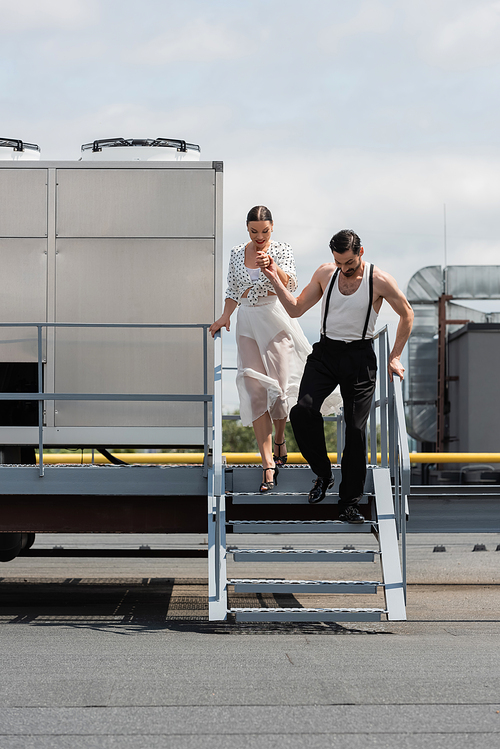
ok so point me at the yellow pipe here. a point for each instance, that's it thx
(161, 458)
(414, 457)
(454, 457)
(86, 458)
(253, 458)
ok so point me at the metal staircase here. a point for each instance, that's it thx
(235, 510)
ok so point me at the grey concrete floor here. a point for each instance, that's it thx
(119, 653)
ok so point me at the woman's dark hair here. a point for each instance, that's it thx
(345, 240)
(259, 213)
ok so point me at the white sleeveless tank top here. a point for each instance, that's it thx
(346, 315)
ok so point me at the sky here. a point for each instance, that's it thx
(371, 115)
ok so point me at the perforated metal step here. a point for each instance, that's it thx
(268, 495)
(296, 587)
(307, 615)
(300, 526)
(281, 498)
(303, 555)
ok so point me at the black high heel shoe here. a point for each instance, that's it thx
(268, 486)
(280, 460)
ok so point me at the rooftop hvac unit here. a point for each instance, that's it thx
(119, 263)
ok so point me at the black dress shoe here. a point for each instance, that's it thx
(318, 492)
(351, 514)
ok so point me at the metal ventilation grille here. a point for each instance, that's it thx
(179, 145)
(17, 145)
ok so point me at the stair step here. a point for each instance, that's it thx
(306, 615)
(275, 494)
(241, 480)
(246, 585)
(280, 498)
(303, 555)
(300, 526)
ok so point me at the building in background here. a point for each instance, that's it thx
(452, 397)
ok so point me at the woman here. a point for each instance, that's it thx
(272, 348)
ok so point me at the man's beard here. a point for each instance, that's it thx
(351, 271)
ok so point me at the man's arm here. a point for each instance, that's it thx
(390, 291)
(295, 306)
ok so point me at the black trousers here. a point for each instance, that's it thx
(353, 366)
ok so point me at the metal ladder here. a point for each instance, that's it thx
(287, 512)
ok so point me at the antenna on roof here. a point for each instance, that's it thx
(444, 232)
(445, 248)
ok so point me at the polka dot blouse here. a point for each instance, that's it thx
(238, 280)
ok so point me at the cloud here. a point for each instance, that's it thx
(458, 36)
(371, 17)
(39, 14)
(198, 41)
(393, 200)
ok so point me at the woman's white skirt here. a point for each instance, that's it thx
(272, 352)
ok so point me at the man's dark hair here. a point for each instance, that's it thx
(345, 240)
(259, 213)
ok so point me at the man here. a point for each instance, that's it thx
(344, 356)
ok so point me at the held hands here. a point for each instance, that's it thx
(262, 259)
(268, 266)
(395, 367)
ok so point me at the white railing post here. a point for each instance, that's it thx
(217, 585)
(383, 378)
(393, 430)
(404, 469)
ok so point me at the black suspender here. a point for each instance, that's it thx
(327, 303)
(370, 300)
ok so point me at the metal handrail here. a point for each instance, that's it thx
(393, 428)
(40, 396)
(217, 586)
(394, 455)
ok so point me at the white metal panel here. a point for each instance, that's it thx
(129, 361)
(107, 436)
(135, 281)
(135, 203)
(23, 264)
(23, 202)
(132, 281)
